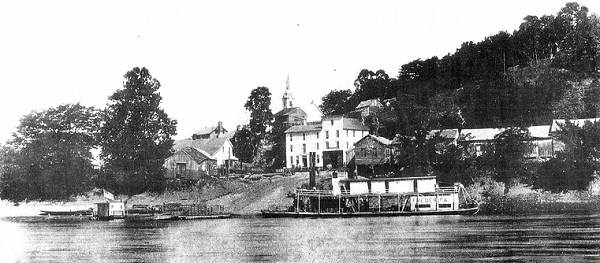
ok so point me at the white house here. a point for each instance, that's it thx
(219, 149)
(330, 140)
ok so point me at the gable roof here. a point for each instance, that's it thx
(488, 134)
(304, 128)
(288, 111)
(208, 130)
(211, 146)
(556, 123)
(368, 103)
(197, 155)
(445, 133)
(354, 124)
(379, 139)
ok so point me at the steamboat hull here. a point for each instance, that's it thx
(275, 214)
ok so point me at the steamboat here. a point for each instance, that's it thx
(407, 196)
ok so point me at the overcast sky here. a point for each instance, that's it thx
(209, 55)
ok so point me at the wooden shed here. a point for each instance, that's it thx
(190, 163)
(373, 155)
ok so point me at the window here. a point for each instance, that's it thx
(353, 133)
(317, 146)
(297, 160)
(303, 136)
(326, 134)
(317, 135)
(327, 145)
(290, 137)
(347, 145)
(337, 133)
(291, 160)
(337, 144)
(347, 131)
(318, 159)
(291, 148)
(331, 122)
(304, 148)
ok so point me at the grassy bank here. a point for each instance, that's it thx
(247, 197)
(239, 196)
(523, 200)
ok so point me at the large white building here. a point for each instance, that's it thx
(330, 140)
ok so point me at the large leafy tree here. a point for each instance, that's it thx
(574, 167)
(371, 85)
(242, 147)
(50, 157)
(259, 106)
(136, 136)
(507, 156)
(336, 102)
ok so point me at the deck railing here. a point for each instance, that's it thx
(450, 189)
(314, 191)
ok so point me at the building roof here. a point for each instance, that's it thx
(354, 124)
(369, 103)
(445, 133)
(379, 139)
(556, 123)
(304, 128)
(291, 110)
(348, 124)
(211, 146)
(197, 155)
(205, 130)
(483, 134)
(488, 134)
(540, 131)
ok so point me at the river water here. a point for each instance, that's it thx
(554, 238)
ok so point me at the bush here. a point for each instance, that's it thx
(558, 175)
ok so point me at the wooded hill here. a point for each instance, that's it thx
(546, 69)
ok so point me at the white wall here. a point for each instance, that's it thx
(404, 186)
(346, 140)
(359, 188)
(426, 185)
(223, 153)
(378, 187)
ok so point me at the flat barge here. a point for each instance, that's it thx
(407, 196)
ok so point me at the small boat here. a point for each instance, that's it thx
(405, 196)
(196, 217)
(165, 217)
(67, 213)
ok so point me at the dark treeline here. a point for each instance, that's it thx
(50, 155)
(545, 69)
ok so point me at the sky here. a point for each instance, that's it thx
(209, 55)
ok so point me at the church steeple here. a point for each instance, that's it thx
(287, 99)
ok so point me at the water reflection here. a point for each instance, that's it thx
(426, 238)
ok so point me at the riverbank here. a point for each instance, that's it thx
(249, 197)
(238, 196)
(524, 200)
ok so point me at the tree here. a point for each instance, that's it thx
(573, 168)
(242, 147)
(136, 136)
(259, 103)
(371, 85)
(336, 102)
(51, 158)
(507, 156)
(276, 155)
